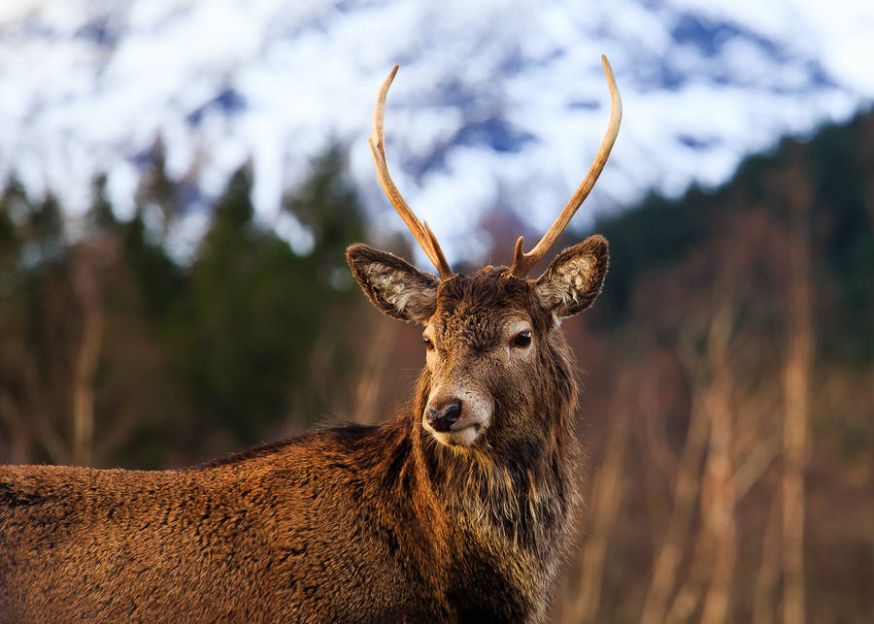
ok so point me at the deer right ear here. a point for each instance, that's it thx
(394, 285)
(575, 278)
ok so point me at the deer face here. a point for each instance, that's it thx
(489, 338)
(478, 344)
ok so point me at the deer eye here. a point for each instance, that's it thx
(428, 344)
(522, 339)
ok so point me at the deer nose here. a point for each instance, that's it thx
(442, 416)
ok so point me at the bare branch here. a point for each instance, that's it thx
(85, 367)
(607, 494)
(797, 407)
(685, 491)
(769, 567)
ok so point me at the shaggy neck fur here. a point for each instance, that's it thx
(505, 508)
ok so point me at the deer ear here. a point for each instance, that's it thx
(574, 279)
(395, 286)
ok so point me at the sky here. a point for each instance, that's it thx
(498, 105)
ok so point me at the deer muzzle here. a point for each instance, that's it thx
(458, 419)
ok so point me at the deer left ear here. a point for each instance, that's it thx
(575, 278)
(394, 285)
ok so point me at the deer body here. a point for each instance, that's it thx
(290, 534)
(344, 525)
(457, 511)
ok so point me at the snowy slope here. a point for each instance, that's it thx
(497, 103)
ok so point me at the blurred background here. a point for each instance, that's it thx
(180, 179)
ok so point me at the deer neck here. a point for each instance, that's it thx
(521, 496)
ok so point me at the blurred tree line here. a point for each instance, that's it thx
(114, 353)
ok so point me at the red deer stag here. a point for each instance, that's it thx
(458, 511)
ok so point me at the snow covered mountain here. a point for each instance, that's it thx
(498, 103)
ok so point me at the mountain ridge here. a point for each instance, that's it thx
(504, 103)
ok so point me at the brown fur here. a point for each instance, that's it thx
(350, 524)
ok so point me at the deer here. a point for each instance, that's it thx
(459, 509)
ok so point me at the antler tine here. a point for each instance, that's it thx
(420, 230)
(524, 262)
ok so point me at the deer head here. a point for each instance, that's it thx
(495, 358)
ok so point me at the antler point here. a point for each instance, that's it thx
(519, 242)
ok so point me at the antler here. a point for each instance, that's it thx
(524, 262)
(420, 229)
